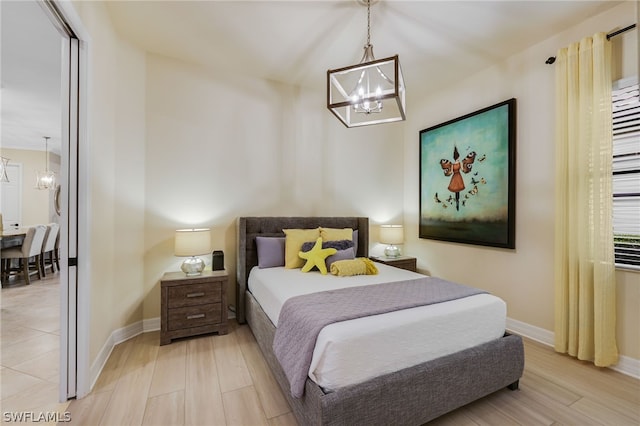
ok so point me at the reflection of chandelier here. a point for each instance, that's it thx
(370, 92)
(46, 179)
(3, 169)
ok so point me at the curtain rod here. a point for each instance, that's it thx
(552, 59)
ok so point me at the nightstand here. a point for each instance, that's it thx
(402, 262)
(193, 305)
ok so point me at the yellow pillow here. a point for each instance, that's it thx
(336, 234)
(351, 267)
(294, 239)
(316, 257)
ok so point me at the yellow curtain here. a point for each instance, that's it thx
(585, 288)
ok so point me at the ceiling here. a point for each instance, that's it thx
(438, 43)
(30, 74)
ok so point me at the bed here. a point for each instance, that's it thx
(411, 395)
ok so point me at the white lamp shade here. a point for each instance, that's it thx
(192, 242)
(391, 234)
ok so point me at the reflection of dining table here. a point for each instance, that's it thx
(12, 237)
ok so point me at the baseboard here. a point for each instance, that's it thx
(152, 324)
(531, 332)
(118, 336)
(626, 365)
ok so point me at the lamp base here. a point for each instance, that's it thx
(392, 251)
(192, 266)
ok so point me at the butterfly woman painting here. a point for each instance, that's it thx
(457, 182)
(467, 178)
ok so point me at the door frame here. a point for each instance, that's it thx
(75, 299)
(14, 178)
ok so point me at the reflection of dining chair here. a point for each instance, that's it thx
(47, 257)
(31, 248)
(56, 252)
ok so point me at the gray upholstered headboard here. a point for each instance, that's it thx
(251, 227)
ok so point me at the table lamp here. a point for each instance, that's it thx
(391, 235)
(192, 243)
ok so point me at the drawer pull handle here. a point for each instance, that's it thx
(195, 316)
(196, 294)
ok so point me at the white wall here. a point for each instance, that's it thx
(37, 204)
(173, 145)
(222, 146)
(522, 277)
(115, 145)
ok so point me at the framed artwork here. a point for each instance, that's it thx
(467, 178)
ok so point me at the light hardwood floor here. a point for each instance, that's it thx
(218, 380)
(30, 346)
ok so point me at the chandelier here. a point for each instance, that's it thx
(370, 92)
(46, 179)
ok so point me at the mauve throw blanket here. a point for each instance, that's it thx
(303, 317)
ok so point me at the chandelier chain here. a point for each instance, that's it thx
(46, 153)
(368, 22)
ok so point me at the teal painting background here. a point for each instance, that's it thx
(485, 214)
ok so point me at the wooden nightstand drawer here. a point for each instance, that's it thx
(195, 316)
(194, 294)
(193, 305)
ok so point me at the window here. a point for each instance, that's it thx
(626, 174)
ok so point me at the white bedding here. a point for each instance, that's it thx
(353, 351)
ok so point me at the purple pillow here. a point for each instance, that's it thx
(338, 245)
(270, 251)
(340, 255)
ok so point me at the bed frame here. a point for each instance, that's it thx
(411, 396)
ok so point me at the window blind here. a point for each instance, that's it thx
(626, 175)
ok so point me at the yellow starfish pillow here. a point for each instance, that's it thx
(316, 257)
